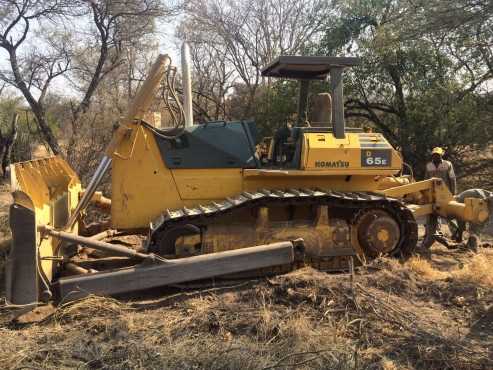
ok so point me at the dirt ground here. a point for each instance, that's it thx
(433, 311)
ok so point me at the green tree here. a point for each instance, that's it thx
(410, 84)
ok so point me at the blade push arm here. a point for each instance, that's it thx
(433, 197)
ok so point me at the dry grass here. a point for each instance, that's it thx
(425, 313)
(389, 365)
(423, 268)
(87, 308)
(302, 320)
(478, 271)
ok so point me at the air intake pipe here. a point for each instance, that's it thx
(187, 84)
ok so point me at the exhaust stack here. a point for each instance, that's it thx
(187, 84)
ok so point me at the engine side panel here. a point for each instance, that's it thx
(356, 152)
(142, 186)
(214, 183)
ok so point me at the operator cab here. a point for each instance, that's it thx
(285, 147)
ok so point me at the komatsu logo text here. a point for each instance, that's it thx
(331, 164)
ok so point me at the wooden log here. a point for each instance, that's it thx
(181, 270)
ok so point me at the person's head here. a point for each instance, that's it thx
(437, 154)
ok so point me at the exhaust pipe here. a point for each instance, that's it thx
(187, 84)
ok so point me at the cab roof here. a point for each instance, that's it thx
(306, 67)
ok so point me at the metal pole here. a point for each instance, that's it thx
(114, 249)
(187, 84)
(336, 87)
(143, 99)
(77, 270)
(91, 188)
(303, 102)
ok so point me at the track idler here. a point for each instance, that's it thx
(167, 244)
(378, 232)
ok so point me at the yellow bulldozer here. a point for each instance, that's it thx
(209, 206)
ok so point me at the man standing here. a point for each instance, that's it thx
(438, 167)
(442, 169)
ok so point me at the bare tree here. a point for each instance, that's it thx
(3, 86)
(253, 32)
(27, 24)
(33, 70)
(117, 26)
(213, 77)
(118, 23)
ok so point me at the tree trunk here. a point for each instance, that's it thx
(249, 106)
(36, 106)
(45, 129)
(93, 85)
(9, 144)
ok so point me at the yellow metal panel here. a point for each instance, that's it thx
(208, 184)
(53, 187)
(142, 187)
(329, 141)
(322, 152)
(286, 181)
(373, 173)
(422, 210)
(326, 149)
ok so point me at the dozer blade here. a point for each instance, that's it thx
(21, 268)
(45, 192)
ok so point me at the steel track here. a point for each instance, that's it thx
(353, 203)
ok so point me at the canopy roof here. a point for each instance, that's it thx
(306, 67)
